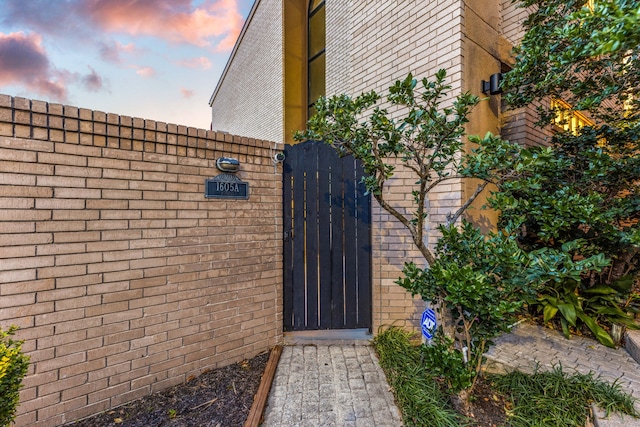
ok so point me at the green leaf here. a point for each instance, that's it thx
(549, 312)
(601, 335)
(565, 328)
(600, 290)
(624, 283)
(568, 312)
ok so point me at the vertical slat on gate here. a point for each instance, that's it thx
(299, 306)
(364, 251)
(287, 194)
(325, 161)
(337, 246)
(350, 256)
(311, 234)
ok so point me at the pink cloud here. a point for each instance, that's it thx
(214, 23)
(145, 71)
(235, 25)
(23, 61)
(172, 20)
(186, 92)
(201, 62)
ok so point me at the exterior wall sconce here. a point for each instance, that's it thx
(227, 164)
(492, 87)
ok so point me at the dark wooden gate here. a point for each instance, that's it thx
(327, 249)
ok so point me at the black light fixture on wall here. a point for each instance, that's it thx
(492, 87)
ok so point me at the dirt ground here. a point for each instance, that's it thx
(217, 398)
(487, 407)
(223, 398)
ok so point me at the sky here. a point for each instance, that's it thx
(153, 59)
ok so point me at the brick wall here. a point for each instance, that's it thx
(123, 278)
(389, 40)
(512, 18)
(240, 104)
(519, 125)
(339, 21)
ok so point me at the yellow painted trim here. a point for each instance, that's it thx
(295, 68)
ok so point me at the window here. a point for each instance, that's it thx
(630, 103)
(315, 53)
(567, 119)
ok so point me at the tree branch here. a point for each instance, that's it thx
(451, 219)
(417, 237)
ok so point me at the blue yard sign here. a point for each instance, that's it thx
(428, 323)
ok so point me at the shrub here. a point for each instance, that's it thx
(477, 288)
(574, 204)
(13, 368)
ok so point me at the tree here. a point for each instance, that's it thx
(568, 236)
(427, 140)
(611, 26)
(589, 58)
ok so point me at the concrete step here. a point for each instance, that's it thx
(329, 337)
(600, 419)
(632, 344)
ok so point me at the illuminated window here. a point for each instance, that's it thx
(316, 56)
(567, 119)
(628, 105)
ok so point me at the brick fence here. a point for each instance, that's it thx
(122, 276)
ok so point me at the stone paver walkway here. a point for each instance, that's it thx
(330, 385)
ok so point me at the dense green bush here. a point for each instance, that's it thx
(476, 287)
(575, 204)
(573, 213)
(13, 368)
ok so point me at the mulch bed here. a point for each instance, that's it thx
(217, 398)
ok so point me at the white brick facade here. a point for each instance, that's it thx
(391, 39)
(249, 98)
(338, 46)
(512, 19)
